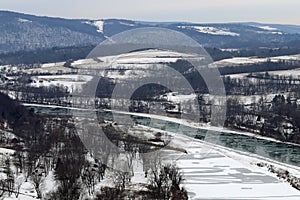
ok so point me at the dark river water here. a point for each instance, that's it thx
(285, 153)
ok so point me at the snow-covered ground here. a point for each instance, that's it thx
(238, 61)
(211, 30)
(178, 98)
(27, 190)
(210, 174)
(22, 20)
(267, 28)
(289, 57)
(71, 81)
(99, 24)
(294, 73)
(214, 172)
(131, 65)
(132, 60)
(49, 68)
(151, 56)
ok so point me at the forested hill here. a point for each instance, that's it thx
(22, 32)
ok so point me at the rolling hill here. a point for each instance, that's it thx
(23, 32)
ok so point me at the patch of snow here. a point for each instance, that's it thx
(295, 73)
(238, 61)
(270, 32)
(24, 20)
(230, 50)
(267, 28)
(126, 24)
(5, 151)
(71, 81)
(50, 68)
(46, 65)
(27, 191)
(289, 57)
(49, 184)
(178, 98)
(146, 60)
(53, 106)
(211, 30)
(84, 62)
(99, 24)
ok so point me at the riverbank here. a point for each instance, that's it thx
(204, 126)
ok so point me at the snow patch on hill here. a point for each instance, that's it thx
(254, 60)
(24, 20)
(126, 24)
(239, 61)
(211, 30)
(99, 24)
(268, 28)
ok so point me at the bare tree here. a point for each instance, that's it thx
(37, 180)
(18, 183)
(9, 181)
(121, 179)
(89, 177)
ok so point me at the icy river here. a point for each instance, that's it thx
(278, 151)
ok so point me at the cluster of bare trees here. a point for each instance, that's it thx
(261, 83)
(278, 118)
(8, 184)
(165, 182)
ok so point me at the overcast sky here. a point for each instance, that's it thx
(268, 11)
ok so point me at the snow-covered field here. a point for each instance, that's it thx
(71, 81)
(294, 73)
(267, 28)
(238, 61)
(150, 56)
(211, 30)
(178, 98)
(49, 68)
(131, 65)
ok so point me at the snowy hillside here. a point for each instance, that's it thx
(35, 32)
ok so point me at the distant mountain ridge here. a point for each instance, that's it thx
(21, 32)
